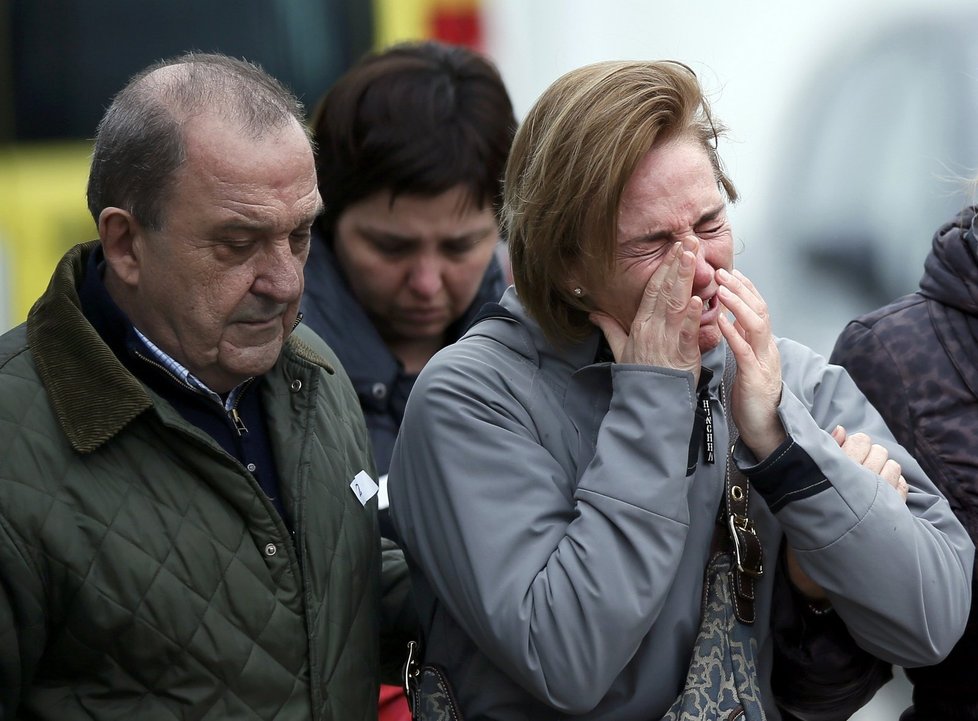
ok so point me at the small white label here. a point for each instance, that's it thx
(382, 500)
(364, 487)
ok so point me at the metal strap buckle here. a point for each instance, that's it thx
(410, 671)
(737, 525)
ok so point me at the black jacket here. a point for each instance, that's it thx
(916, 360)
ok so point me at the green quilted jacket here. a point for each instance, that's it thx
(143, 573)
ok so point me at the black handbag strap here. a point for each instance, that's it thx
(747, 551)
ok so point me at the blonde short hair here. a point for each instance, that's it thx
(570, 162)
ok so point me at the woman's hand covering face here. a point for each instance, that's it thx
(756, 391)
(665, 329)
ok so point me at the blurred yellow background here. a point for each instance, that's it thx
(43, 213)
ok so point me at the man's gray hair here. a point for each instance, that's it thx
(139, 142)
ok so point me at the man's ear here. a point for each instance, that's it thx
(121, 236)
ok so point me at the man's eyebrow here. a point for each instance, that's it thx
(310, 217)
(250, 225)
(241, 224)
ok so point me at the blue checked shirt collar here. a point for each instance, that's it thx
(188, 378)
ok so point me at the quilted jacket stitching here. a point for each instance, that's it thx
(111, 531)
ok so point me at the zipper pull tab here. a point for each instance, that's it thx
(239, 425)
(707, 429)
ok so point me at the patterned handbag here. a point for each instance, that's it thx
(820, 672)
(721, 682)
(722, 679)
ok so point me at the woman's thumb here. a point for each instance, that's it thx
(613, 332)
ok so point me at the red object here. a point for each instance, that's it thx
(458, 27)
(393, 704)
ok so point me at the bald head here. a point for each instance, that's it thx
(139, 143)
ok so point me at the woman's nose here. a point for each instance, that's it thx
(703, 274)
(425, 279)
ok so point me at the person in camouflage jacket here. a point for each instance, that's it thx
(916, 360)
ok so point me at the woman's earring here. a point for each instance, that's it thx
(578, 292)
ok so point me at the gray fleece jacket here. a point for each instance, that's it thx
(558, 542)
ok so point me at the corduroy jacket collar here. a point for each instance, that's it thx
(92, 393)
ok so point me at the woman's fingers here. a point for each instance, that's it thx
(860, 448)
(757, 392)
(738, 344)
(665, 329)
(658, 282)
(678, 285)
(857, 447)
(876, 458)
(748, 283)
(689, 334)
(903, 488)
(743, 289)
(893, 474)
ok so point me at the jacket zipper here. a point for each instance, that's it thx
(239, 425)
(160, 366)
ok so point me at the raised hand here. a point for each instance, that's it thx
(665, 329)
(756, 391)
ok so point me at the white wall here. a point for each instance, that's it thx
(756, 57)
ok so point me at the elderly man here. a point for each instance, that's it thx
(188, 528)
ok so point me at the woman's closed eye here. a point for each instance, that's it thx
(642, 250)
(712, 229)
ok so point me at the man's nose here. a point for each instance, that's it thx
(280, 274)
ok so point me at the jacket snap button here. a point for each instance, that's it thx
(379, 390)
(270, 549)
(296, 385)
